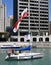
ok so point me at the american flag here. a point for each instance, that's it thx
(16, 25)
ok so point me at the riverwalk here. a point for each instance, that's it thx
(33, 44)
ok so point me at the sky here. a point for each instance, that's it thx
(9, 8)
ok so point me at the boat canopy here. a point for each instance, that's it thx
(23, 49)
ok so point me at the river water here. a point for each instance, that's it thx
(46, 60)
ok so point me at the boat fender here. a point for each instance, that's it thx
(17, 52)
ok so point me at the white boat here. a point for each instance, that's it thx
(15, 53)
(24, 56)
(9, 46)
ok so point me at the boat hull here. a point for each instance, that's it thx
(24, 56)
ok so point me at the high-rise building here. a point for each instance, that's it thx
(37, 21)
(50, 27)
(0, 1)
(2, 16)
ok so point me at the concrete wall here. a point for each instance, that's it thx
(38, 38)
(37, 44)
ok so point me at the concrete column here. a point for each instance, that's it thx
(19, 39)
(8, 39)
(31, 39)
(37, 39)
(24, 39)
(43, 38)
(49, 38)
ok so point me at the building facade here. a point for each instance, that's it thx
(3, 23)
(7, 22)
(2, 16)
(37, 22)
(50, 27)
(0, 1)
